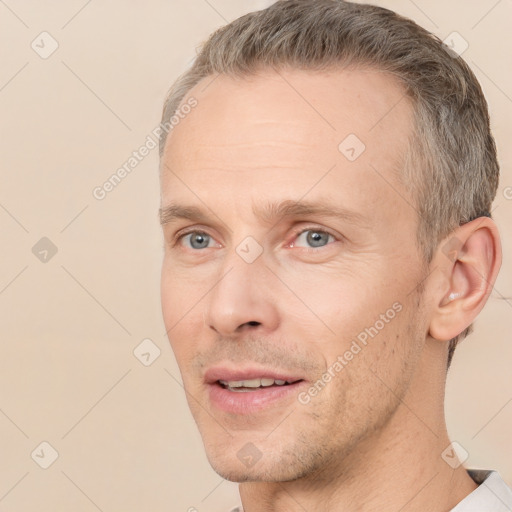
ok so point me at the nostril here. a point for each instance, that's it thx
(253, 322)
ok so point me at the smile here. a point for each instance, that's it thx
(243, 386)
(246, 391)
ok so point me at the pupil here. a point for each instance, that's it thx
(199, 241)
(316, 239)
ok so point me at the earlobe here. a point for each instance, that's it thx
(469, 261)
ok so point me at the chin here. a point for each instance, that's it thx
(256, 474)
(228, 462)
(276, 463)
(239, 476)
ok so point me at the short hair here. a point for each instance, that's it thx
(450, 166)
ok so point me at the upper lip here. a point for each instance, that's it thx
(224, 373)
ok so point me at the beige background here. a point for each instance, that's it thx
(69, 326)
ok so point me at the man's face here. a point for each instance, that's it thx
(286, 252)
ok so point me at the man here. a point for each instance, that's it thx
(326, 194)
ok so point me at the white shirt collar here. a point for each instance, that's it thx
(491, 495)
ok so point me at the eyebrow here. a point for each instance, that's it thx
(269, 212)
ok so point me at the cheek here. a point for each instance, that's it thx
(366, 372)
(181, 312)
(169, 292)
(367, 321)
(345, 299)
(181, 291)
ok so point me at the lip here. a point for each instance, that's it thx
(250, 402)
(214, 374)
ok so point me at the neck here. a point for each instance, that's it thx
(398, 468)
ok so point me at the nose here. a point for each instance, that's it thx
(241, 299)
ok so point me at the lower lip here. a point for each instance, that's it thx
(249, 402)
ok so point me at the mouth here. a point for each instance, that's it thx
(247, 386)
(249, 391)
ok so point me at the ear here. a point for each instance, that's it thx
(469, 260)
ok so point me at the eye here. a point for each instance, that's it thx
(313, 238)
(196, 240)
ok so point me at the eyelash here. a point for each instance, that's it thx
(179, 236)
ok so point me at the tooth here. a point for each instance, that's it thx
(253, 383)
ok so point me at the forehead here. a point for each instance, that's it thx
(336, 137)
(292, 115)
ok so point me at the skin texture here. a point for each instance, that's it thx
(373, 436)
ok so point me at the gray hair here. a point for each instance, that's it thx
(452, 143)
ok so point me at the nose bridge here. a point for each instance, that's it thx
(239, 295)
